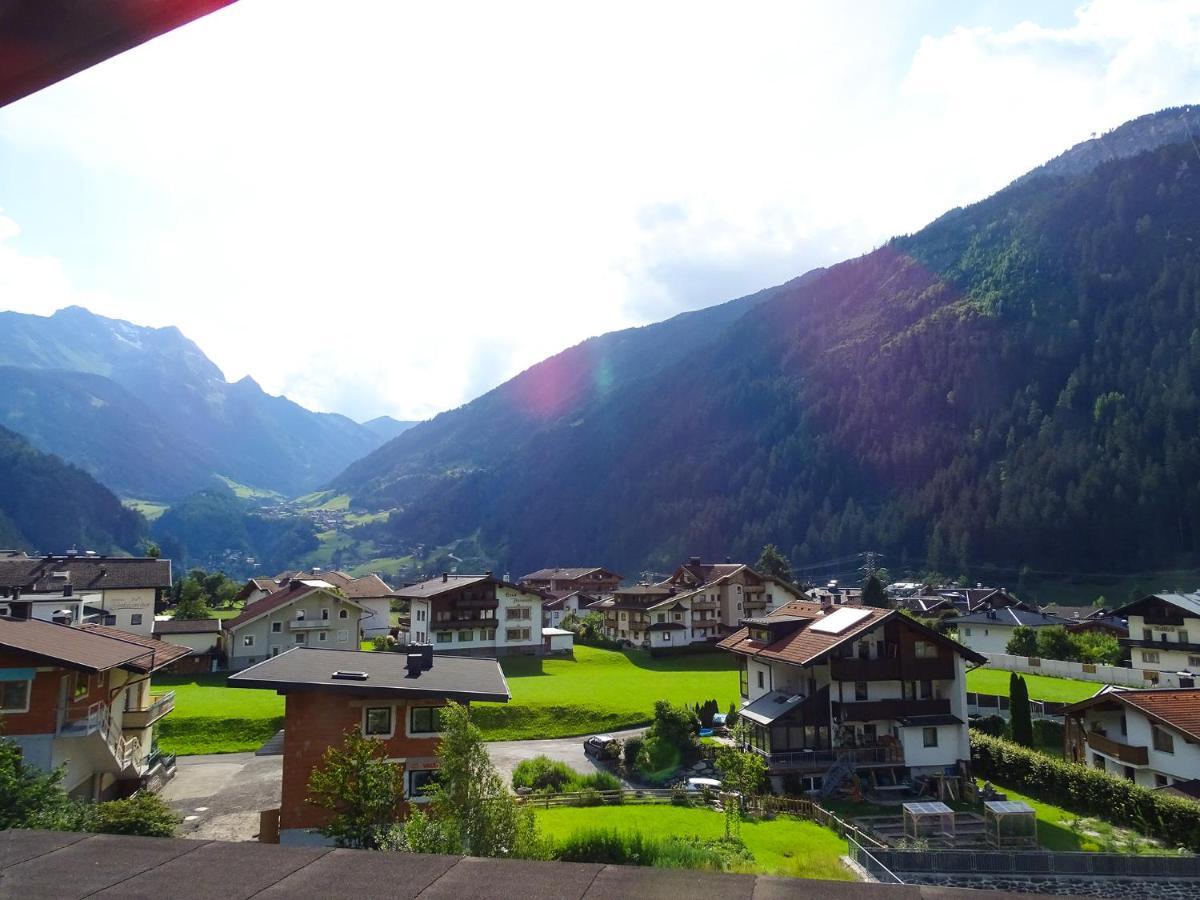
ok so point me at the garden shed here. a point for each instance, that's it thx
(1010, 823)
(929, 821)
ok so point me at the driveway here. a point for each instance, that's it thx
(221, 795)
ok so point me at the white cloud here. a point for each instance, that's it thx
(392, 211)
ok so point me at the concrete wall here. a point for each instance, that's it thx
(1135, 677)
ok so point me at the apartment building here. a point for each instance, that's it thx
(79, 699)
(1164, 632)
(478, 615)
(308, 611)
(125, 588)
(1151, 737)
(832, 690)
(390, 697)
(561, 581)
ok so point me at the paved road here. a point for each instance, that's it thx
(221, 795)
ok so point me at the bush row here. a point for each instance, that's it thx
(1088, 791)
(633, 848)
(548, 776)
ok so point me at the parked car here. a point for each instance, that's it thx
(697, 785)
(602, 746)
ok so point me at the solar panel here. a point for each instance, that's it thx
(927, 809)
(840, 619)
(1003, 807)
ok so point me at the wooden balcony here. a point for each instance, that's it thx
(1169, 646)
(820, 760)
(450, 624)
(1126, 753)
(876, 710)
(855, 669)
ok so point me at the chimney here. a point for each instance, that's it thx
(693, 560)
(426, 651)
(414, 664)
(488, 573)
(20, 611)
(68, 591)
(445, 577)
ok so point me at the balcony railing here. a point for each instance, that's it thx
(143, 718)
(314, 624)
(1126, 753)
(1177, 646)
(706, 604)
(876, 710)
(817, 760)
(893, 669)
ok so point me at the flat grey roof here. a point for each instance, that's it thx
(65, 866)
(312, 669)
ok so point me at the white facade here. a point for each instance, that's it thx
(377, 618)
(1166, 654)
(319, 618)
(1170, 755)
(517, 629)
(990, 637)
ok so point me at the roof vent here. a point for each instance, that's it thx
(694, 560)
(445, 577)
(344, 675)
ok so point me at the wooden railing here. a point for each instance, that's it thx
(1126, 753)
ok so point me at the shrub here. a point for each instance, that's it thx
(1048, 733)
(680, 797)
(143, 814)
(596, 781)
(633, 748)
(994, 726)
(1088, 791)
(588, 797)
(543, 774)
(633, 848)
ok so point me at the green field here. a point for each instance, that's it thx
(1041, 687)
(782, 846)
(148, 508)
(599, 690)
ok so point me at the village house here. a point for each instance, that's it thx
(1151, 737)
(390, 697)
(991, 630)
(835, 690)
(1164, 632)
(480, 615)
(204, 639)
(626, 612)
(126, 588)
(572, 604)
(308, 611)
(372, 593)
(79, 699)
(257, 588)
(559, 582)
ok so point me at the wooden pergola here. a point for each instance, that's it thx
(929, 820)
(1010, 823)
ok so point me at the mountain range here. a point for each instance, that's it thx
(147, 413)
(1015, 385)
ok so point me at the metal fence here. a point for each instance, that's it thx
(1037, 862)
(870, 862)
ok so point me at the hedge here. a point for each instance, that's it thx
(1087, 791)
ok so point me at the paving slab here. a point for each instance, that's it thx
(341, 873)
(503, 879)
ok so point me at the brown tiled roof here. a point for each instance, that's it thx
(86, 573)
(1176, 707)
(368, 587)
(78, 648)
(162, 652)
(188, 626)
(805, 645)
(294, 591)
(566, 574)
(707, 573)
(434, 586)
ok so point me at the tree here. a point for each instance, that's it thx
(772, 562)
(1023, 642)
(29, 797)
(1018, 703)
(191, 602)
(1053, 642)
(743, 770)
(362, 789)
(151, 549)
(873, 594)
(471, 811)
(670, 740)
(1097, 647)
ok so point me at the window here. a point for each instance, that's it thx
(299, 615)
(929, 737)
(81, 686)
(967, 632)
(135, 619)
(1098, 761)
(323, 636)
(465, 636)
(926, 690)
(301, 637)
(666, 636)
(1124, 725)
(1182, 636)
(860, 690)
(1150, 656)
(925, 650)
(343, 614)
(489, 634)
(1194, 661)
(760, 678)
(14, 696)
(276, 627)
(662, 617)
(324, 615)
(420, 782)
(517, 613)
(1147, 635)
(864, 650)
(443, 637)
(1163, 741)
(274, 651)
(1160, 780)
(425, 720)
(377, 721)
(420, 615)
(343, 636)
(248, 641)
(516, 634)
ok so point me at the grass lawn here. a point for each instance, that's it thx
(601, 690)
(1041, 687)
(212, 718)
(782, 846)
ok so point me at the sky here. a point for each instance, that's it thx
(390, 208)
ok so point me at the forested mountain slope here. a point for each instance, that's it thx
(1014, 384)
(476, 437)
(181, 421)
(48, 505)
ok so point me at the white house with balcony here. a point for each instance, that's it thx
(476, 615)
(834, 691)
(1164, 632)
(1150, 736)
